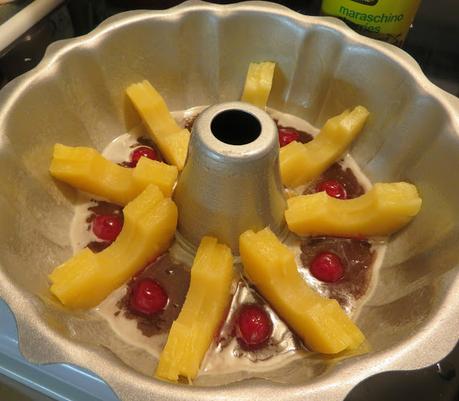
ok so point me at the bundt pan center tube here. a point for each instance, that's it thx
(231, 181)
(197, 54)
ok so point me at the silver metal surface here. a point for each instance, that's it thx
(8, 10)
(231, 180)
(198, 54)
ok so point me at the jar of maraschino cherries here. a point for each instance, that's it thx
(387, 20)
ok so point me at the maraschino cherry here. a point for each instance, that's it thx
(142, 151)
(253, 326)
(287, 135)
(147, 297)
(332, 188)
(327, 267)
(107, 226)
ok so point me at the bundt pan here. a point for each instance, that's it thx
(197, 54)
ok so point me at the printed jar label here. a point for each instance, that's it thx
(387, 20)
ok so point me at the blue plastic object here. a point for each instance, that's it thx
(62, 382)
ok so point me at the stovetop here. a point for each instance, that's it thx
(432, 41)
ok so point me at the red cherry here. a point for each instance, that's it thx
(327, 267)
(147, 297)
(332, 188)
(287, 135)
(142, 151)
(107, 226)
(253, 326)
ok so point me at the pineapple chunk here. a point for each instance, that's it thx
(258, 83)
(148, 172)
(320, 322)
(87, 278)
(300, 163)
(203, 311)
(383, 210)
(171, 140)
(86, 169)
